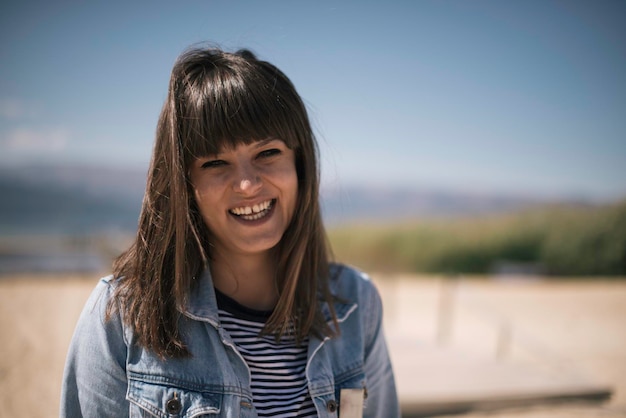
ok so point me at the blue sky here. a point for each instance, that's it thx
(488, 96)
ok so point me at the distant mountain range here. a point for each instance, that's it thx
(379, 204)
(77, 219)
(45, 200)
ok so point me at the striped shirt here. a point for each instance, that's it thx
(279, 384)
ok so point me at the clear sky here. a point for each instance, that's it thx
(490, 96)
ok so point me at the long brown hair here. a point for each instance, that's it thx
(218, 99)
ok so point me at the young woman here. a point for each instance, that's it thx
(226, 304)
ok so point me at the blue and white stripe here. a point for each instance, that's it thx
(279, 384)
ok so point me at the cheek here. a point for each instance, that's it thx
(205, 205)
(291, 186)
(199, 198)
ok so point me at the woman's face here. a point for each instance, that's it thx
(246, 195)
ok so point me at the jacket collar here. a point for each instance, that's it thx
(343, 310)
(202, 303)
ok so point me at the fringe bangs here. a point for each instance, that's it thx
(221, 108)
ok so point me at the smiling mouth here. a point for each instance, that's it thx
(255, 212)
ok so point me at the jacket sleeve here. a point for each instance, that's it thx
(94, 380)
(382, 398)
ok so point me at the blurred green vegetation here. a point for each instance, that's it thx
(555, 240)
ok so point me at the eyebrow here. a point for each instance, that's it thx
(257, 144)
(264, 142)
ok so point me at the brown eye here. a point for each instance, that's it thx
(214, 163)
(269, 153)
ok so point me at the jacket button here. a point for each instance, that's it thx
(173, 406)
(331, 406)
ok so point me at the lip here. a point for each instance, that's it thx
(249, 204)
(252, 222)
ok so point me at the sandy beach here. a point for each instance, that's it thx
(568, 328)
(575, 325)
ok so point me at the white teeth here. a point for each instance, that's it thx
(252, 213)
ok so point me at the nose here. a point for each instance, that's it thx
(247, 181)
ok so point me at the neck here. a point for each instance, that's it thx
(248, 279)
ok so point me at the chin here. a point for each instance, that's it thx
(259, 247)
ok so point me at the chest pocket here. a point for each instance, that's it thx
(149, 399)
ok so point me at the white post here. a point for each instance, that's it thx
(503, 343)
(445, 317)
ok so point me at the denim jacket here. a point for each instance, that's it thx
(108, 375)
